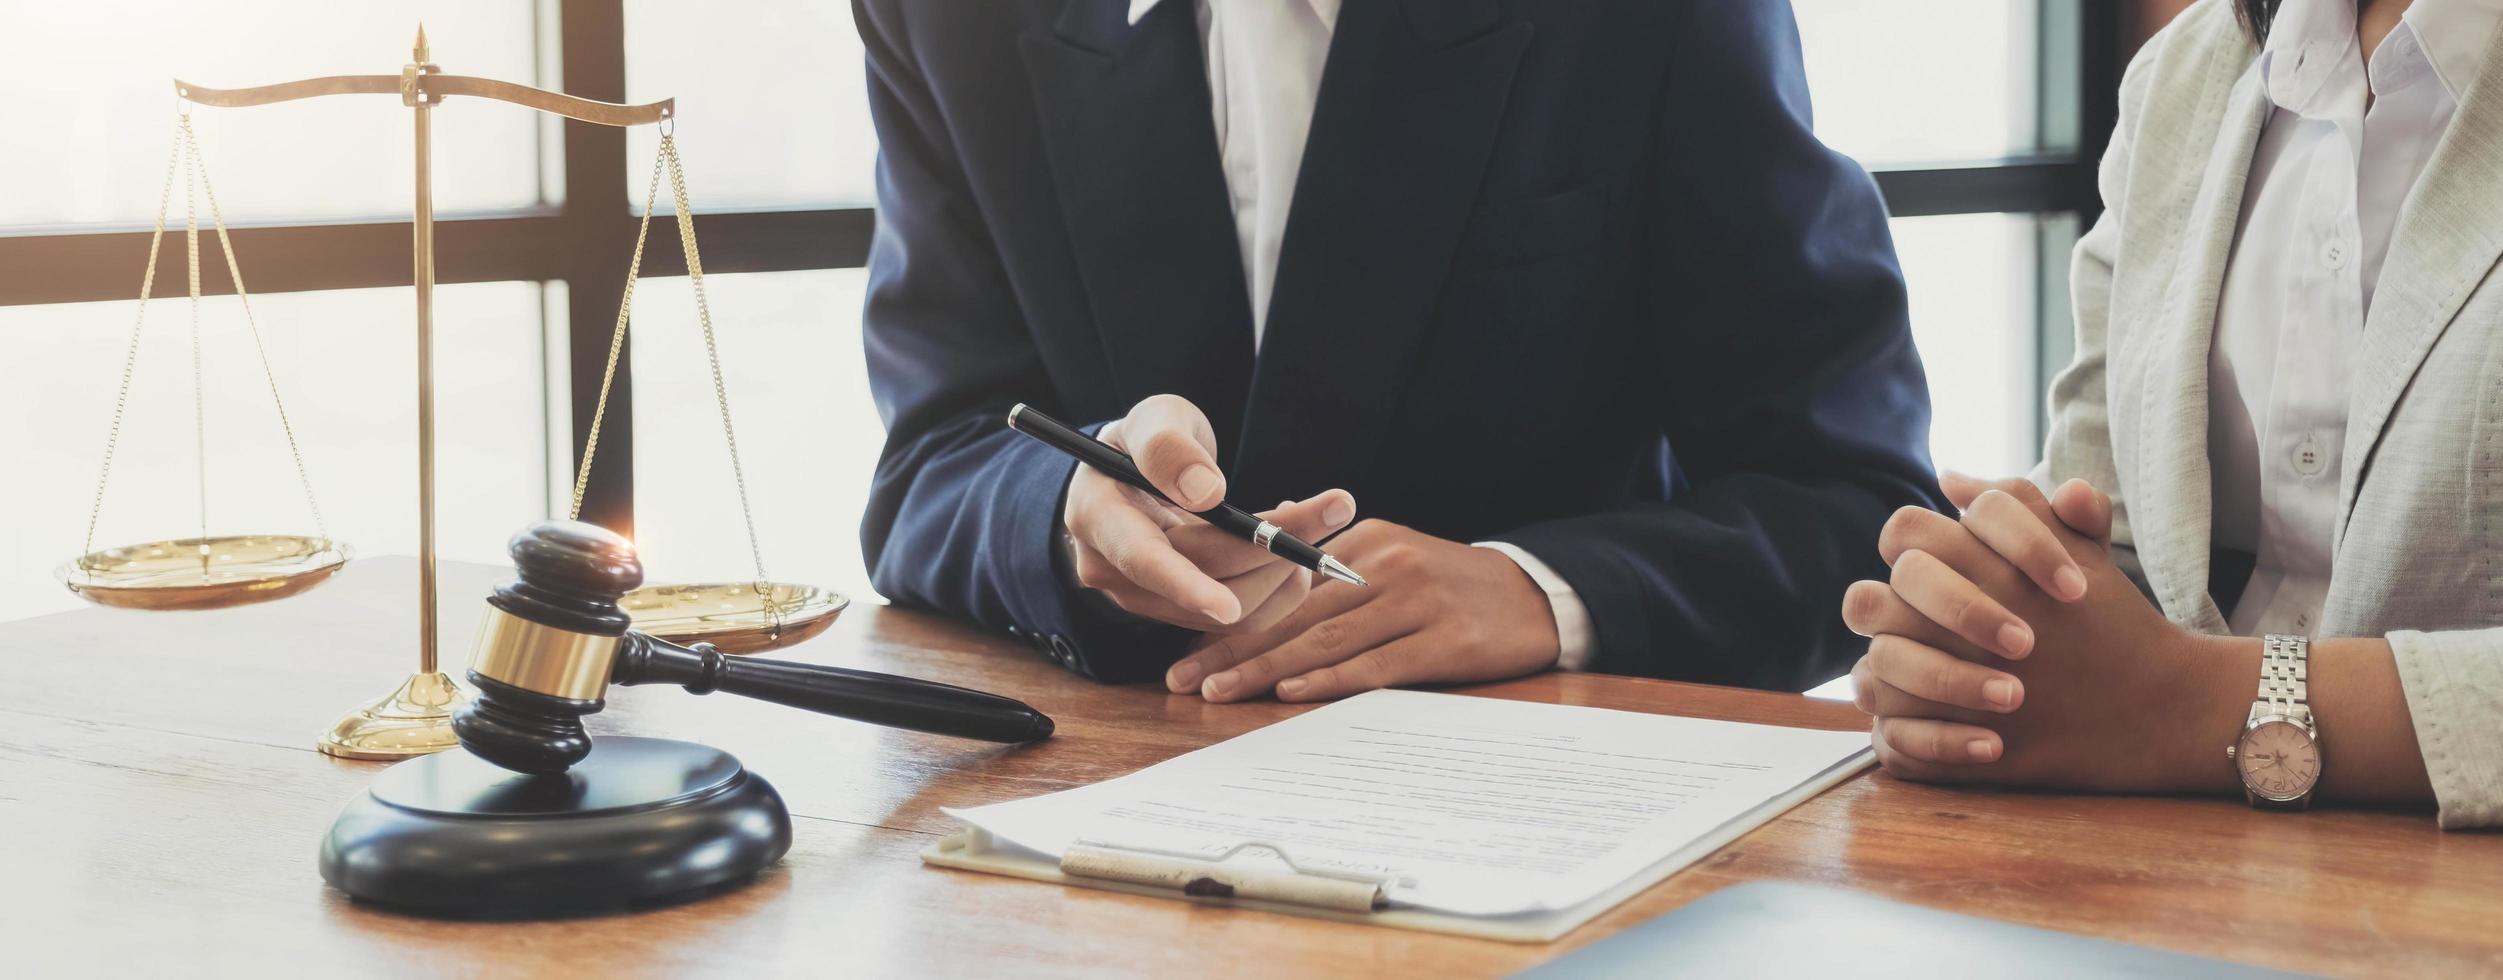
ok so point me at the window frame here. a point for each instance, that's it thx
(587, 236)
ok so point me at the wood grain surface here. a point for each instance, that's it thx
(160, 804)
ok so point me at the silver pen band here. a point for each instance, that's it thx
(1264, 534)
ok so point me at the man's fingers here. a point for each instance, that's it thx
(1318, 517)
(1216, 654)
(2011, 529)
(1269, 594)
(1224, 554)
(1327, 642)
(1098, 573)
(2084, 509)
(1176, 450)
(1937, 677)
(1952, 601)
(1139, 553)
(1402, 661)
(1927, 741)
(1213, 653)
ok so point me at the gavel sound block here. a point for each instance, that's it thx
(536, 819)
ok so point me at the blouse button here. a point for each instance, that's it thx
(2309, 460)
(2334, 254)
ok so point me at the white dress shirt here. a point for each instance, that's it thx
(2335, 162)
(1264, 78)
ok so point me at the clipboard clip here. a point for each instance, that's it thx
(1198, 876)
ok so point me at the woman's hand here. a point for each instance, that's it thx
(2008, 647)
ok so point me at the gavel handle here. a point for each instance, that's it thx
(861, 695)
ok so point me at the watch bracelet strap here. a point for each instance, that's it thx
(2285, 678)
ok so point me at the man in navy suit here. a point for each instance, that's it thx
(1611, 350)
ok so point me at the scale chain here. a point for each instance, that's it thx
(616, 344)
(668, 157)
(234, 271)
(184, 155)
(199, 390)
(130, 358)
(712, 350)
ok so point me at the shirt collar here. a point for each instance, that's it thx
(2308, 42)
(2311, 40)
(2456, 36)
(1327, 10)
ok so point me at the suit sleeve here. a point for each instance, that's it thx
(963, 513)
(1791, 395)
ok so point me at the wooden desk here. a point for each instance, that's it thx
(160, 803)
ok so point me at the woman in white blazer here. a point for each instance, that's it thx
(2264, 552)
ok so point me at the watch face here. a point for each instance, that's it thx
(2279, 761)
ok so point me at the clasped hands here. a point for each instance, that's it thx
(1437, 611)
(2008, 647)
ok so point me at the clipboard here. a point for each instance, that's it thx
(1250, 872)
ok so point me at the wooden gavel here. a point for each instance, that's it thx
(554, 639)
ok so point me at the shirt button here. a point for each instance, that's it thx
(2334, 255)
(2303, 621)
(2309, 460)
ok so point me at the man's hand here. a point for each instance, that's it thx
(2008, 647)
(1437, 611)
(1157, 561)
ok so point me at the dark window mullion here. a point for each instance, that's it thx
(100, 266)
(2049, 184)
(598, 242)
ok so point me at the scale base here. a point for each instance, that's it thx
(640, 822)
(414, 719)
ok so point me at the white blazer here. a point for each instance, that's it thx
(2419, 551)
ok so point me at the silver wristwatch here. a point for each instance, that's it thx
(2278, 755)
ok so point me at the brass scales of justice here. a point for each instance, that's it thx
(208, 572)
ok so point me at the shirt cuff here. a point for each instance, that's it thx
(1572, 617)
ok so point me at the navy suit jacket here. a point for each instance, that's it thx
(1570, 275)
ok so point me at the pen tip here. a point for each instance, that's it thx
(1336, 569)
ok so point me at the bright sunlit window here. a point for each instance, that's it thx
(1945, 82)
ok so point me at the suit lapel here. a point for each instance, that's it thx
(2172, 512)
(2448, 236)
(1409, 105)
(1125, 119)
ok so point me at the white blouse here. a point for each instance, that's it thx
(2335, 163)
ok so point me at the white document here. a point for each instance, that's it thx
(1462, 805)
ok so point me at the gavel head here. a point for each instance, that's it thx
(546, 647)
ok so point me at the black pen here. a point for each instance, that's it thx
(1117, 464)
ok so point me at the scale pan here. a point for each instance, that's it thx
(204, 573)
(734, 616)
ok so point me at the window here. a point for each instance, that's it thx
(776, 101)
(808, 433)
(99, 88)
(1981, 118)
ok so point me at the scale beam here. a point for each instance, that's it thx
(436, 88)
